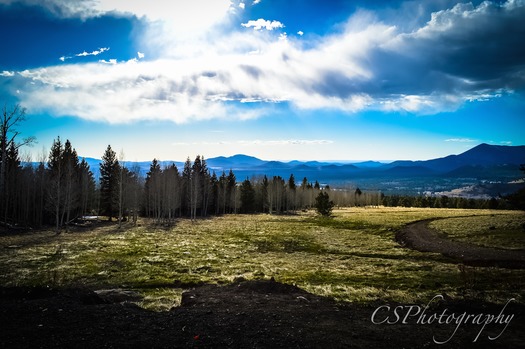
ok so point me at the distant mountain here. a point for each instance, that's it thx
(368, 164)
(233, 162)
(482, 155)
(483, 163)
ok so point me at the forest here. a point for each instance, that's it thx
(61, 188)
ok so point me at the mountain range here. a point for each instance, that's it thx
(484, 162)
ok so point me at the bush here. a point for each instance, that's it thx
(323, 204)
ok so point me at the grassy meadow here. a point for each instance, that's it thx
(350, 257)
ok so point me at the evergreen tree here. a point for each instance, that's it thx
(12, 183)
(323, 204)
(247, 194)
(291, 194)
(109, 183)
(55, 192)
(186, 187)
(196, 186)
(231, 192)
(153, 190)
(87, 188)
(214, 193)
(71, 184)
(222, 194)
(264, 194)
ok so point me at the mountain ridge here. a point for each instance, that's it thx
(481, 164)
(482, 161)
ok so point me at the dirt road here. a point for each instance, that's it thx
(419, 236)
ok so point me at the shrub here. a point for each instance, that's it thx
(323, 204)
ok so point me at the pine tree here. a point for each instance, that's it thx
(214, 193)
(247, 197)
(11, 190)
(264, 194)
(196, 184)
(222, 194)
(291, 194)
(55, 193)
(109, 183)
(87, 187)
(153, 190)
(71, 182)
(186, 187)
(231, 192)
(323, 204)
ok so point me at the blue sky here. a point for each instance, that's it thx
(283, 80)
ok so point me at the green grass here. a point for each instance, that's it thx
(502, 231)
(351, 257)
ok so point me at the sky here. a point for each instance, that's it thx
(275, 79)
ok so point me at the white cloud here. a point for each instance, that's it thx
(369, 65)
(300, 33)
(262, 23)
(242, 5)
(85, 54)
(460, 140)
(255, 2)
(181, 16)
(92, 53)
(110, 61)
(7, 73)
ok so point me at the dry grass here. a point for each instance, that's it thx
(502, 231)
(351, 257)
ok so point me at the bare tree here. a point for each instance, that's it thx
(121, 187)
(11, 118)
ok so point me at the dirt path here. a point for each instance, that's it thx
(419, 236)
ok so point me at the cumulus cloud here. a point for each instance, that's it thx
(469, 48)
(368, 65)
(7, 73)
(182, 16)
(262, 23)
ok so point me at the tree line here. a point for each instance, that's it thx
(61, 188)
(446, 202)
